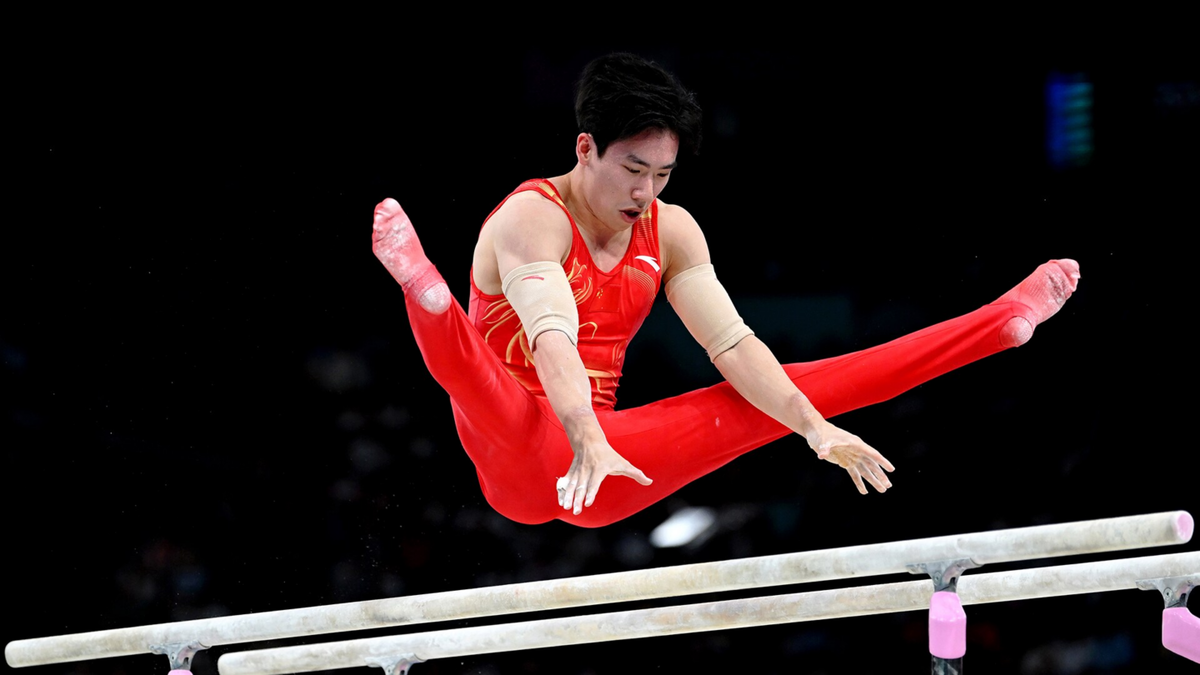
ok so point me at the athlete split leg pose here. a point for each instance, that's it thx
(521, 448)
(564, 272)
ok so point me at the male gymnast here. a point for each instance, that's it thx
(564, 272)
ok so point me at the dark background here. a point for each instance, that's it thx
(212, 403)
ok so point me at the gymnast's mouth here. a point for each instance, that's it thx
(631, 214)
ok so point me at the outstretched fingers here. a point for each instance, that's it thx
(575, 488)
(629, 471)
(636, 474)
(566, 489)
(873, 472)
(856, 476)
(578, 489)
(866, 465)
(590, 494)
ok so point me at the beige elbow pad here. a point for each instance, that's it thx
(542, 298)
(705, 308)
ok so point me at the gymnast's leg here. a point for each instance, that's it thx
(844, 383)
(511, 436)
(680, 439)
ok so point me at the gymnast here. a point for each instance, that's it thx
(564, 272)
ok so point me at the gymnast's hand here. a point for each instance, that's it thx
(594, 461)
(848, 451)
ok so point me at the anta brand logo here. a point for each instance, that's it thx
(648, 260)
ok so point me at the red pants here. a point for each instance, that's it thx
(519, 447)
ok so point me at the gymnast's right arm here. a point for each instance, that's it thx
(744, 361)
(531, 242)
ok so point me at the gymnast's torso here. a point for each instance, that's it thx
(612, 304)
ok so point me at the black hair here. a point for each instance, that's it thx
(621, 95)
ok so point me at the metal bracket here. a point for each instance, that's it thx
(1174, 589)
(944, 573)
(394, 665)
(179, 653)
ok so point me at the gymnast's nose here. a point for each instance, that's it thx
(643, 190)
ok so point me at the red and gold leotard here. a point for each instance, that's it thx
(612, 305)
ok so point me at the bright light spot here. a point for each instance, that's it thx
(683, 527)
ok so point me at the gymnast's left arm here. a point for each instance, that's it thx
(748, 364)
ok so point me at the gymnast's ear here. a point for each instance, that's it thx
(585, 148)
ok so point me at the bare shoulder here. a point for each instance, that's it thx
(526, 228)
(528, 222)
(681, 240)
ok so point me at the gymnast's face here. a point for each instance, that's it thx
(620, 185)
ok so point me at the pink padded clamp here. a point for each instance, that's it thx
(1181, 632)
(1180, 628)
(180, 672)
(947, 626)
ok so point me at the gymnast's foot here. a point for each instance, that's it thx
(1044, 293)
(396, 245)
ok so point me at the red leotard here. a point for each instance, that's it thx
(612, 305)
(519, 448)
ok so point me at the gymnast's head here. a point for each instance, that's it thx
(621, 95)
